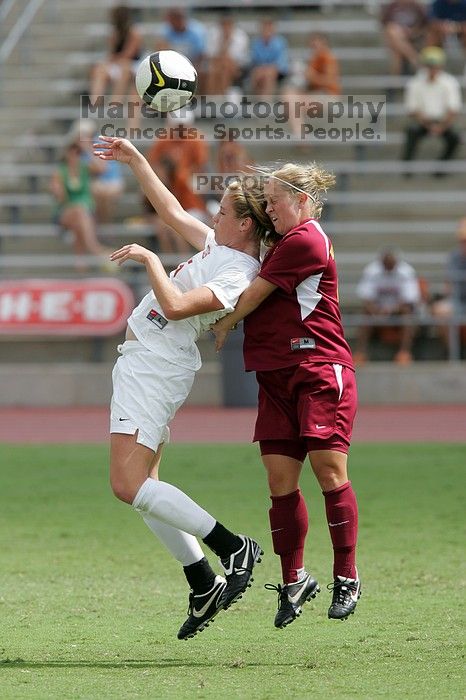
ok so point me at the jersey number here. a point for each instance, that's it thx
(180, 267)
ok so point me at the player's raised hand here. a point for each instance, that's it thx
(133, 251)
(112, 148)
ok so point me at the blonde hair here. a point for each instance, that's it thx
(247, 198)
(310, 179)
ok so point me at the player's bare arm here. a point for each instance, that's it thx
(166, 205)
(175, 304)
(250, 299)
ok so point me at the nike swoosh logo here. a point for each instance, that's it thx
(354, 594)
(159, 76)
(294, 598)
(203, 610)
(228, 570)
(246, 554)
(319, 427)
(336, 524)
(123, 418)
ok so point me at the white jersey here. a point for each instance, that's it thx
(389, 289)
(433, 99)
(225, 271)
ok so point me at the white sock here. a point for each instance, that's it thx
(185, 548)
(173, 507)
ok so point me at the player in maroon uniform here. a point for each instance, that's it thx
(307, 391)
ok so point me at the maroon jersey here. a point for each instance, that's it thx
(301, 319)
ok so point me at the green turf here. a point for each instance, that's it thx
(90, 603)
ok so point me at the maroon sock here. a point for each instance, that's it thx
(342, 517)
(289, 523)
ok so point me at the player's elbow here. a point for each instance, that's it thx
(174, 312)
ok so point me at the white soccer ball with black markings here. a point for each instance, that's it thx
(166, 80)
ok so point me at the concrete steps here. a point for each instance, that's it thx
(40, 91)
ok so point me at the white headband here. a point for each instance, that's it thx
(267, 174)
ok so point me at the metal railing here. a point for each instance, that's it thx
(5, 8)
(19, 28)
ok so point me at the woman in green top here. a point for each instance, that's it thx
(71, 186)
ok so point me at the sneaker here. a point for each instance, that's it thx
(238, 570)
(346, 593)
(202, 608)
(291, 598)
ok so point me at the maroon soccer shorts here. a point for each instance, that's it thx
(306, 407)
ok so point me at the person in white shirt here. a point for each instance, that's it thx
(433, 102)
(389, 289)
(227, 51)
(155, 371)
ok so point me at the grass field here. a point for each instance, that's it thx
(90, 603)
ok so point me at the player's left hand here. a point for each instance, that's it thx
(133, 251)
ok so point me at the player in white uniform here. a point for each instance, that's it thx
(155, 372)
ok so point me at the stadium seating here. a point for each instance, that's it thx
(372, 206)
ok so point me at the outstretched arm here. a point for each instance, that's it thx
(249, 300)
(175, 304)
(166, 204)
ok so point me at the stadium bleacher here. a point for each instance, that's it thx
(373, 205)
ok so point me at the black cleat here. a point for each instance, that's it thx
(238, 570)
(346, 593)
(291, 598)
(202, 609)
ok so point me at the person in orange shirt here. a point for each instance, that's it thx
(323, 70)
(181, 149)
(232, 157)
(320, 76)
(175, 160)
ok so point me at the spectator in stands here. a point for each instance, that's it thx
(124, 52)
(71, 187)
(107, 182)
(457, 271)
(176, 159)
(227, 51)
(323, 70)
(232, 157)
(183, 34)
(106, 189)
(433, 101)
(389, 290)
(321, 76)
(269, 60)
(448, 18)
(453, 303)
(404, 24)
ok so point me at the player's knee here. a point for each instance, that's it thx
(330, 479)
(281, 483)
(122, 490)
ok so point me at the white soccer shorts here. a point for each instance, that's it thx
(147, 392)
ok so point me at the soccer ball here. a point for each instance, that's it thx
(166, 80)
